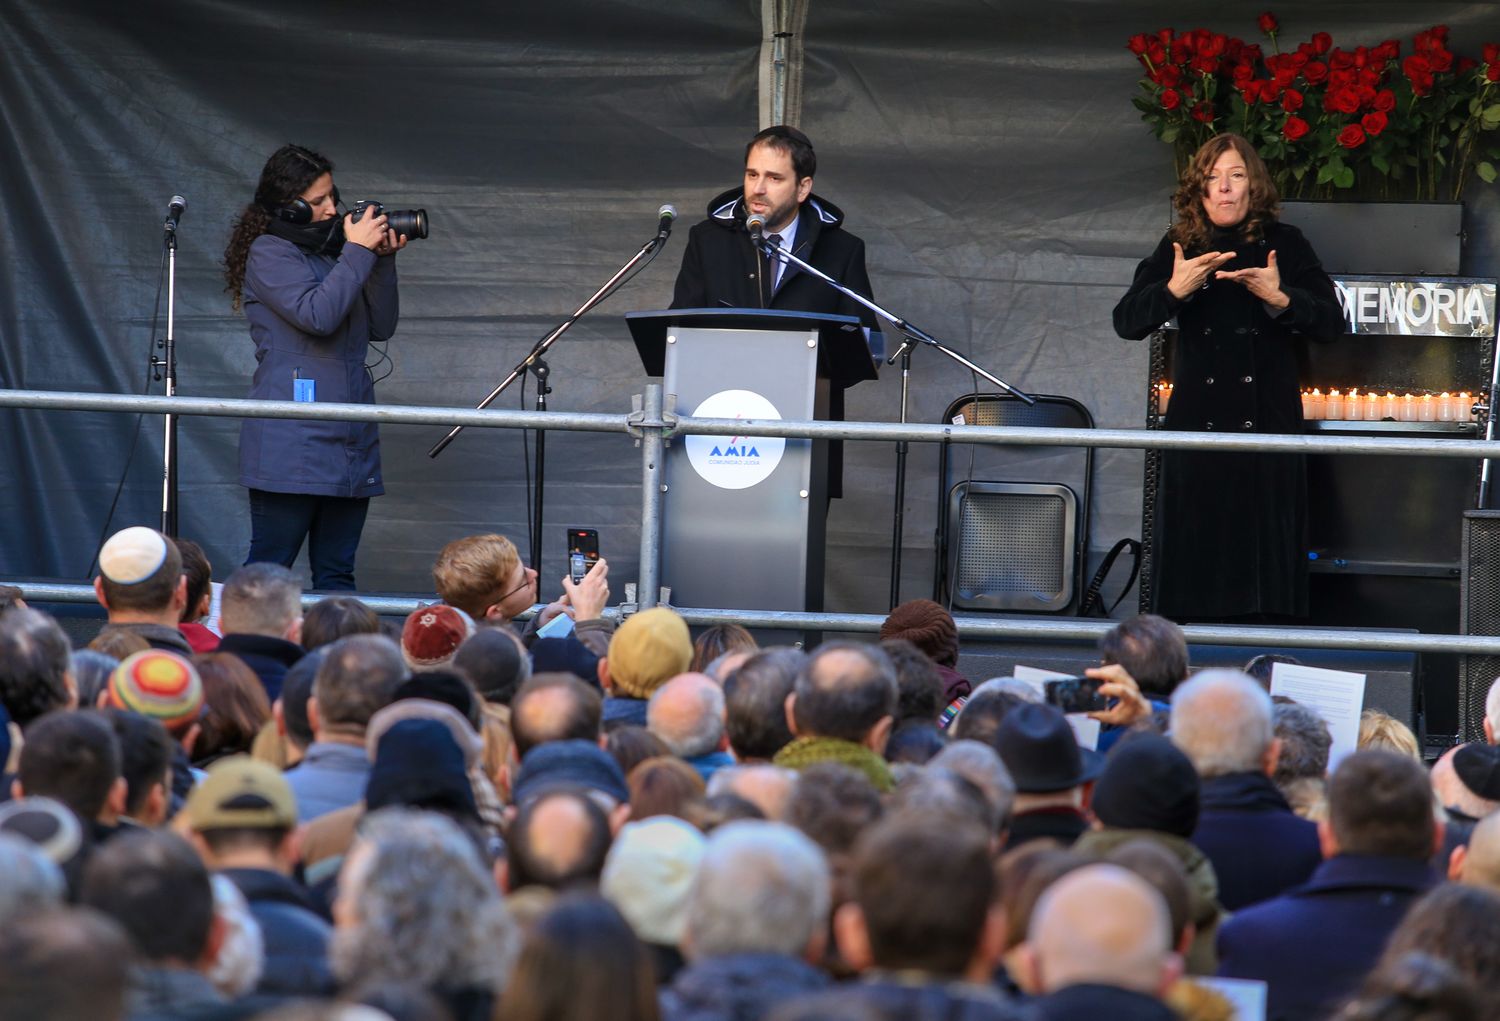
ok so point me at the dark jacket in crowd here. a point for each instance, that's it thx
(892, 997)
(1259, 847)
(312, 317)
(738, 987)
(1089, 1002)
(721, 269)
(1065, 825)
(270, 658)
(296, 938)
(620, 711)
(159, 636)
(1314, 945)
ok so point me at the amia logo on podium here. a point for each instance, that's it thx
(735, 462)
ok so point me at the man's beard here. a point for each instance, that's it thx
(778, 218)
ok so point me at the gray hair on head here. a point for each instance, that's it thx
(29, 880)
(428, 910)
(982, 766)
(1221, 719)
(762, 887)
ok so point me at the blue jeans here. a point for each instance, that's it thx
(279, 522)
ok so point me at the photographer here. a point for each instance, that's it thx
(316, 290)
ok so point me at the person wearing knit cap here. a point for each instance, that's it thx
(161, 685)
(1149, 790)
(649, 875)
(930, 628)
(432, 634)
(648, 650)
(141, 584)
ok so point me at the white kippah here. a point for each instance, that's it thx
(132, 555)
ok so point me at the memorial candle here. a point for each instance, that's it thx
(1163, 397)
(1427, 409)
(1408, 408)
(1445, 407)
(1463, 407)
(1333, 407)
(1372, 407)
(1388, 406)
(1312, 406)
(1353, 409)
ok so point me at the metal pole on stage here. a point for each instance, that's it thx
(167, 367)
(653, 447)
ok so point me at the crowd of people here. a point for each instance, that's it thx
(290, 815)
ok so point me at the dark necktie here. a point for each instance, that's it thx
(773, 264)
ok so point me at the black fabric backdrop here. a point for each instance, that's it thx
(986, 151)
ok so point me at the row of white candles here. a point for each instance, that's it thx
(1337, 406)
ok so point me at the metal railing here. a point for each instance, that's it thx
(653, 422)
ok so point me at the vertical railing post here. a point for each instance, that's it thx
(653, 448)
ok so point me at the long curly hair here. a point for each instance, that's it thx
(289, 172)
(1193, 227)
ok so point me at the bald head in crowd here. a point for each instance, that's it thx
(687, 713)
(847, 691)
(558, 840)
(1478, 864)
(1222, 721)
(1102, 925)
(554, 707)
(768, 788)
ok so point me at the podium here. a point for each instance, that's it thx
(743, 517)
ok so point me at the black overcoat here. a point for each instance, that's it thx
(1231, 527)
(720, 269)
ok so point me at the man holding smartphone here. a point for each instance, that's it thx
(483, 575)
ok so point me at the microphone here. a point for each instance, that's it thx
(755, 223)
(175, 209)
(667, 214)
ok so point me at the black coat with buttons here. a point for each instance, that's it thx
(1231, 526)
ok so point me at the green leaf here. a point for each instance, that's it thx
(1486, 172)
(1170, 132)
(1326, 173)
(1492, 112)
(1380, 163)
(1299, 172)
(1344, 178)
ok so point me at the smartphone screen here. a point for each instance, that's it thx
(583, 552)
(1075, 694)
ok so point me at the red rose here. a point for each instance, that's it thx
(1169, 75)
(1285, 76)
(1316, 72)
(1390, 49)
(1385, 101)
(1366, 96)
(1291, 100)
(1322, 42)
(1182, 50)
(1374, 123)
(1340, 60)
(1442, 60)
(1171, 99)
(1416, 65)
(1242, 73)
(1204, 112)
(1138, 44)
(1491, 52)
(1345, 100)
(1352, 137)
(1294, 128)
(1466, 64)
(1492, 73)
(1156, 53)
(1268, 23)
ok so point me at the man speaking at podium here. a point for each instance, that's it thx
(721, 267)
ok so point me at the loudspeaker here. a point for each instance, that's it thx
(1479, 614)
(1012, 545)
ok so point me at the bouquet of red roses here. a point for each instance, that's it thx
(1329, 122)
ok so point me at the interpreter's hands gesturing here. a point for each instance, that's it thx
(1263, 282)
(1190, 274)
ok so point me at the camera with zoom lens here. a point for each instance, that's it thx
(411, 222)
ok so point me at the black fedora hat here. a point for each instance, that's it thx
(1039, 749)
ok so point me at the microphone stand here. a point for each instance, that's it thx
(166, 368)
(533, 363)
(911, 335)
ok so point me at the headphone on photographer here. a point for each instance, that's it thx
(297, 212)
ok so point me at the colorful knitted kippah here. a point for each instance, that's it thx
(159, 684)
